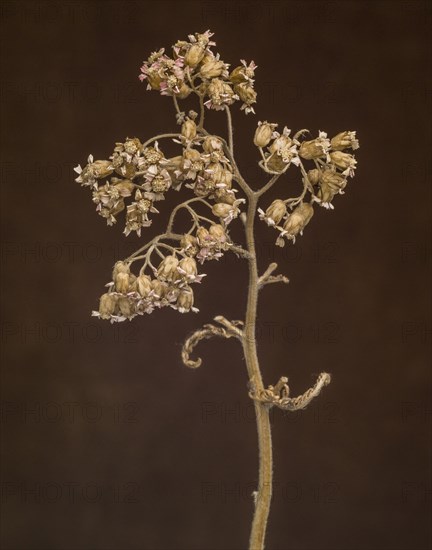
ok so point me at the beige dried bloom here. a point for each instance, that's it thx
(143, 285)
(167, 270)
(220, 94)
(194, 55)
(107, 305)
(314, 176)
(344, 161)
(315, 148)
(247, 94)
(344, 140)
(93, 171)
(189, 245)
(185, 301)
(274, 213)
(189, 129)
(296, 222)
(264, 133)
(213, 67)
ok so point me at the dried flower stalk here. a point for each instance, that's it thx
(162, 272)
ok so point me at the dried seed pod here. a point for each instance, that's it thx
(275, 212)
(167, 269)
(275, 163)
(264, 133)
(143, 285)
(120, 267)
(344, 161)
(298, 220)
(334, 180)
(107, 305)
(126, 307)
(221, 209)
(122, 281)
(203, 236)
(194, 55)
(344, 140)
(185, 300)
(189, 129)
(159, 288)
(315, 148)
(211, 68)
(184, 91)
(218, 233)
(314, 176)
(246, 93)
(188, 267)
(189, 244)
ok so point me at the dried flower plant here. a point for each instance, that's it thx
(163, 271)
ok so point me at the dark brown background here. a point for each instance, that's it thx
(109, 443)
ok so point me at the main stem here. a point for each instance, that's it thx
(264, 491)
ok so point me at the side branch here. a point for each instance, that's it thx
(279, 394)
(267, 277)
(228, 330)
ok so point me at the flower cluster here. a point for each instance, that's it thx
(333, 167)
(129, 295)
(146, 174)
(195, 67)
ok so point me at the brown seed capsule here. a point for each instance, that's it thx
(120, 267)
(188, 267)
(314, 176)
(125, 306)
(218, 233)
(122, 281)
(102, 168)
(333, 179)
(124, 187)
(298, 220)
(221, 209)
(154, 80)
(237, 75)
(325, 193)
(189, 129)
(276, 163)
(275, 212)
(159, 288)
(344, 140)
(167, 269)
(203, 236)
(211, 144)
(185, 299)
(173, 163)
(143, 285)
(107, 305)
(189, 244)
(194, 55)
(315, 148)
(246, 93)
(264, 133)
(281, 142)
(215, 171)
(221, 194)
(212, 68)
(226, 178)
(344, 161)
(184, 91)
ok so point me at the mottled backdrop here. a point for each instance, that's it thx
(109, 443)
